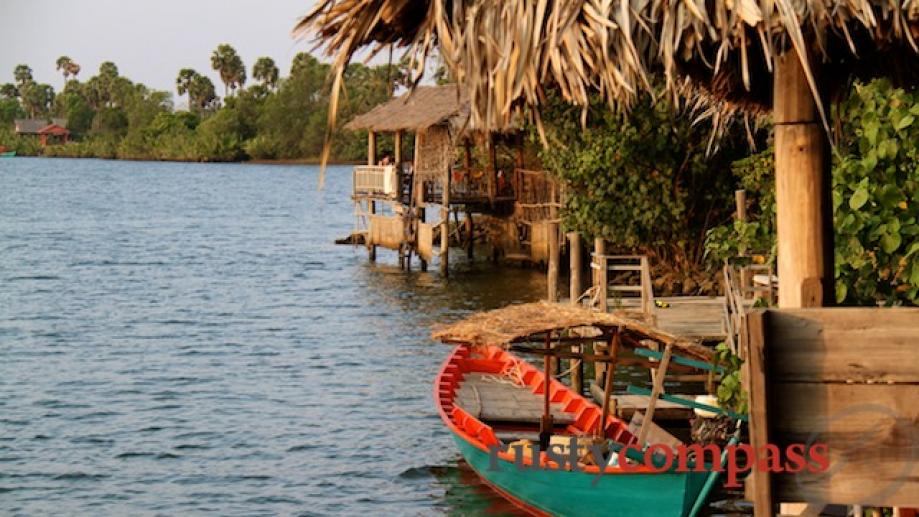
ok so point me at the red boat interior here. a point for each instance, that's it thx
(495, 398)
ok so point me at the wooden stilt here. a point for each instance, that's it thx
(371, 204)
(575, 288)
(608, 385)
(656, 391)
(421, 217)
(445, 227)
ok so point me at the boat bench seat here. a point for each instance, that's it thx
(495, 398)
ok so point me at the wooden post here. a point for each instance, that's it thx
(599, 265)
(577, 371)
(421, 218)
(493, 165)
(804, 216)
(613, 352)
(445, 226)
(754, 381)
(470, 236)
(552, 273)
(575, 288)
(545, 425)
(656, 391)
(397, 149)
(371, 204)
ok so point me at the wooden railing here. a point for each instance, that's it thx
(376, 180)
(626, 289)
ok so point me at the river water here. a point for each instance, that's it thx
(185, 338)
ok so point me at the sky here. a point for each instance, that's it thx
(149, 41)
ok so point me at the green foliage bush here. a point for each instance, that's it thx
(875, 209)
(645, 182)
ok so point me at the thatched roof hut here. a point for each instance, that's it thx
(417, 110)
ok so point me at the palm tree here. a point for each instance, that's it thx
(230, 66)
(23, 75)
(266, 71)
(184, 82)
(201, 93)
(63, 64)
(37, 98)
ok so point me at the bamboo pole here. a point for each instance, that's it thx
(371, 204)
(804, 216)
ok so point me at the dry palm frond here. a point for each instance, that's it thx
(530, 321)
(504, 53)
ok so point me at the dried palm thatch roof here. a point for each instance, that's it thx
(419, 109)
(517, 323)
(503, 53)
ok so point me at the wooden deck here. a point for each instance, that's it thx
(696, 317)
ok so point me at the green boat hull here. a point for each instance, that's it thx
(566, 493)
(8, 154)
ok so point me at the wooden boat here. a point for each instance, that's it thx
(6, 154)
(489, 397)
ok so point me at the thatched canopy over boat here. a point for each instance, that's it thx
(504, 53)
(531, 321)
(416, 110)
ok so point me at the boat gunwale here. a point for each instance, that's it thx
(441, 383)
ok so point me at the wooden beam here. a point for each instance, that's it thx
(613, 352)
(804, 216)
(656, 391)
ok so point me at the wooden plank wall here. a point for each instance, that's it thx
(846, 377)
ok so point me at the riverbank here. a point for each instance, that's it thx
(260, 161)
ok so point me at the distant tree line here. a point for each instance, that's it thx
(273, 117)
